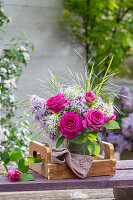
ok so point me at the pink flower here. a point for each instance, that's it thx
(106, 118)
(14, 175)
(94, 119)
(90, 97)
(71, 125)
(57, 103)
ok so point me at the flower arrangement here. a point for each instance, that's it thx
(77, 112)
(122, 139)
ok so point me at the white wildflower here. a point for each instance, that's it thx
(26, 56)
(53, 123)
(7, 84)
(12, 98)
(12, 66)
(1, 135)
(22, 48)
(106, 108)
(13, 82)
(6, 132)
(2, 149)
(5, 60)
(3, 70)
(73, 91)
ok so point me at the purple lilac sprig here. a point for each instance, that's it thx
(80, 103)
(40, 110)
(125, 97)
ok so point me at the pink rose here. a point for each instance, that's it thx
(106, 118)
(14, 175)
(71, 125)
(94, 119)
(90, 97)
(57, 103)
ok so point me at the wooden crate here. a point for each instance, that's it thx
(100, 166)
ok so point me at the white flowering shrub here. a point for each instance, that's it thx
(13, 58)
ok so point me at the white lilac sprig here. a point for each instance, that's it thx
(53, 122)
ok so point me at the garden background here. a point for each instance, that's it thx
(53, 45)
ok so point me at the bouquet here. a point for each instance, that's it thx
(78, 110)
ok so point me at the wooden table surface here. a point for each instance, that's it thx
(123, 177)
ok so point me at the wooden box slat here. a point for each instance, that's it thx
(100, 166)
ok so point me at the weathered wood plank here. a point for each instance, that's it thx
(123, 177)
(60, 194)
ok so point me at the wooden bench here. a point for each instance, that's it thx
(84, 188)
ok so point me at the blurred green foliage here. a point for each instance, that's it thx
(102, 27)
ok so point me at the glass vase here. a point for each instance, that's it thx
(80, 148)
(76, 148)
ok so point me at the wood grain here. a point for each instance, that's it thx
(100, 166)
(122, 178)
(60, 194)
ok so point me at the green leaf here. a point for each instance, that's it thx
(26, 177)
(13, 39)
(23, 165)
(15, 155)
(59, 141)
(76, 110)
(94, 148)
(5, 156)
(92, 135)
(34, 160)
(5, 167)
(79, 139)
(112, 125)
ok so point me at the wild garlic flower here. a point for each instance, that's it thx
(53, 122)
(106, 108)
(73, 91)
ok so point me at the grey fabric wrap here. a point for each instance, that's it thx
(79, 164)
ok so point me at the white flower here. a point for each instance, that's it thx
(106, 108)
(12, 66)
(12, 98)
(1, 135)
(5, 132)
(2, 149)
(53, 123)
(22, 48)
(26, 56)
(6, 60)
(7, 84)
(13, 82)
(74, 91)
(3, 70)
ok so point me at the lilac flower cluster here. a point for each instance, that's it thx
(118, 140)
(40, 110)
(127, 126)
(125, 97)
(79, 102)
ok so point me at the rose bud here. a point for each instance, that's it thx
(90, 97)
